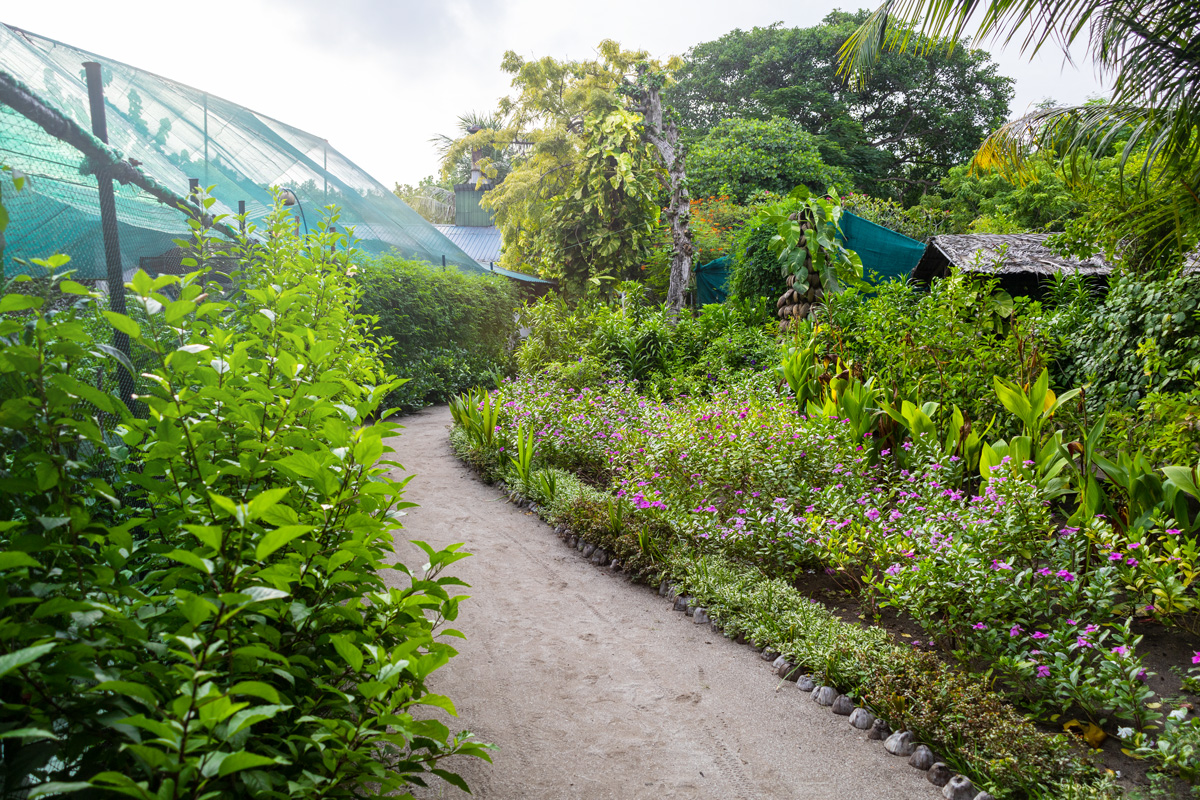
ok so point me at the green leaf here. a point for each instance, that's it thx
(28, 733)
(349, 653)
(192, 560)
(13, 559)
(263, 691)
(277, 538)
(58, 787)
(243, 760)
(19, 302)
(24, 656)
(440, 701)
(124, 324)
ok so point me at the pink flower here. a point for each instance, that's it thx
(1091, 629)
(1172, 531)
(979, 626)
(1083, 642)
(1066, 576)
(1039, 635)
(1015, 630)
(1121, 650)
(1043, 671)
(1000, 565)
(1196, 658)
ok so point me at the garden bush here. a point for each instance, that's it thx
(194, 601)
(447, 331)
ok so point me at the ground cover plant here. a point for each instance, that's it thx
(193, 599)
(1021, 547)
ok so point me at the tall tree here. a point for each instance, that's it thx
(921, 113)
(1147, 47)
(576, 199)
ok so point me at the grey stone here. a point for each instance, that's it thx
(922, 758)
(825, 695)
(939, 774)
(700, 617)
(580, 544)
(843, 706)
(984, 796)
(805, 683)
(900, 744)
(614, 564)
(680, 603)
(572, 541)
(769, 655)
(862, 719)
(741, 638)
(597, 558)
(879, 730)
(588, 549)
(662, 589)
(785, 670)
(777, 663)
(959, 788)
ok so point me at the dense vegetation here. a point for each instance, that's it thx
(444, 331)
(200, 596)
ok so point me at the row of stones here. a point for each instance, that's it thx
(900, 743)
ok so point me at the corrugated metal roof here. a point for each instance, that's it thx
(481, 244)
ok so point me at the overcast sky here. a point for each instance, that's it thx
(378, 78)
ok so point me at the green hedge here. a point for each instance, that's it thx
(444, 330)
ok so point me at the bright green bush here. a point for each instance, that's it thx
(446, 331)
(741, 157)
(944, 344)
(212, 618)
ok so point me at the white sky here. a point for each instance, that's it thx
(378, 78)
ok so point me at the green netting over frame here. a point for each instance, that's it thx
(177, 133)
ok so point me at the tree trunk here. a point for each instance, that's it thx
(666, 141)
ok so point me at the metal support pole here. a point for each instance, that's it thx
(242, 216)
(206, 182)
(443, 260)
(108, 224)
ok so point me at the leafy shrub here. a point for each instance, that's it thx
(213, 619)
(1144, 338)
(446, 331)
(915, 222)
(739, 157)
(715, 223)
(946, 343)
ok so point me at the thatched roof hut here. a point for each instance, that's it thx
(1021, 260)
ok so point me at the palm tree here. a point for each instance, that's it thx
(1149, 49)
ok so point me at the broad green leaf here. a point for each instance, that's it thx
(348, 651)
(243, 760)
(14, 559)
(277, 538)
(23, 656)
(124, 324)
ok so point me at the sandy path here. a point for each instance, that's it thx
(593, 687)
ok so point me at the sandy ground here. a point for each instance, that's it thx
(592, 687)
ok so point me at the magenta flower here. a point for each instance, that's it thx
(979, 626)
(1000, 565)
(1039, 635)
(1043, 671)
(1083, 642)
(1196, 658)
(1066, 576)
(1172, 531)
(1121, 650)
(1015, 630)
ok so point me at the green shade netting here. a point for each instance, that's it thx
(712, 281)
(886, 255)
(176, 133)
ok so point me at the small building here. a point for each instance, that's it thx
(1022, 261)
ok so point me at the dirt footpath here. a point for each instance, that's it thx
(592, 687)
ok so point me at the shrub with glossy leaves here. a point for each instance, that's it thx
(213, 620)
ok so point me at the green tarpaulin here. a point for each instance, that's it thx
(886, 255)
(712, 281)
